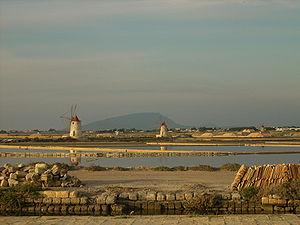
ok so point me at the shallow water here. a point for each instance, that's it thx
(253, 159)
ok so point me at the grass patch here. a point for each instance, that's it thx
(14, 197)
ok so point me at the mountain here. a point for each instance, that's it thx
(141, 121)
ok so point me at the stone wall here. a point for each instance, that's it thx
(138, 202)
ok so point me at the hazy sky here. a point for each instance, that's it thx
(230, 62)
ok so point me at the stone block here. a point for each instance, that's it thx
(20, 174)
(66, 201)
(83, 201)
(189, 196)
(178, 205)
(236, 196)
(160, 196)
(49, 194)
(111, 199)
(77, 209)
(151, 196)
(62, 194)
(73, 194)
(56, 201)
(75, 201)
(101, 200)
(124, 195)
(142, 195)
(265, 200)
(47, 201)
(84, 209)
(51, 209)
(105, 210)
(40, 168)
(170, 197)
(97, 210)
(91, 209)
(133, 196)
(180, 196)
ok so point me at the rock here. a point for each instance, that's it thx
(12, 182)
(13, 176)
(235, 196)
(102, 198)
(124, 195)
(55, 169)
(160, 196)
(180, 196)
(46, 177)
(73, 194)
(21, 174)
(4, 183)
(40, 168)
(151, 196)
(111, 199)
(20, 165)
(133, 196)
(11, 169)
(188, 196)
(32, 177)
(170, 197)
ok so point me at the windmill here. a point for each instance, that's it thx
(163, 132)
(75, 123)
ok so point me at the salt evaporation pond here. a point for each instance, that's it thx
(216, 161)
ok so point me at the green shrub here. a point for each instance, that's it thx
(162, 168)
(231, 167)
(14, 197)
(288, 190)
(250, 193)
(95, 168)
(202, 168)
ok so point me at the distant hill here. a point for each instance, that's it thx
(141, 121)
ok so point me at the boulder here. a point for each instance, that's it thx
(12, 182)
(4, 183)
(55, 169)
(39, 168)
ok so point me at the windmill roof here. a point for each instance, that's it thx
(75, 118)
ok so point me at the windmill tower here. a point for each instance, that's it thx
(163, 130)
(75, 123)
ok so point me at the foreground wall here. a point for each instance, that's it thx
(108, 203)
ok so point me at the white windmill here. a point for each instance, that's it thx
(75, 123)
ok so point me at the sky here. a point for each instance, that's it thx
(199, 62)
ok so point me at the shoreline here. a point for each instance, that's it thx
(123, 152)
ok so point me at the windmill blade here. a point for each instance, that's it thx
(74, 112)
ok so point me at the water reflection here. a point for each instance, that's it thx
(75, 157)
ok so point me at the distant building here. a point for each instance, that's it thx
(163, 130)
(75, 127)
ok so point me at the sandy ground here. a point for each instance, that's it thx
(286, 219)
(156, 180)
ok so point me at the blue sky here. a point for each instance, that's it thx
(230, 63)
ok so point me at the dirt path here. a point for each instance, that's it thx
(158, 180)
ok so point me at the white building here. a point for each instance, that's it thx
(75, 127)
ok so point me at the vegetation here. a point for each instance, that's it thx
(250, 193)
(14, 197)
(231, 167)
(202, 203)
(288, 190)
